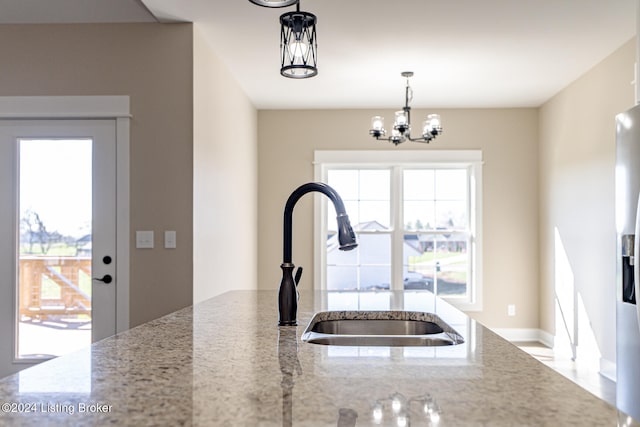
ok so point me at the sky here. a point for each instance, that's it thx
(431, 196)
(56, 182)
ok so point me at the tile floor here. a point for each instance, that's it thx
(582, 371)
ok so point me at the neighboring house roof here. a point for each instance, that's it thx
(411, 241)
(369, 226)
(84, 239)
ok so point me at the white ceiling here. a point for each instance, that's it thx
(465, 53)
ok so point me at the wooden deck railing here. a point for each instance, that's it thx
(65, 273)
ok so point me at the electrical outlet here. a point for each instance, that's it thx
(511, 309)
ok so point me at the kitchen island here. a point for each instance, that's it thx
(225, 362)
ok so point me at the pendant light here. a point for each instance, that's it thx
(298, 46)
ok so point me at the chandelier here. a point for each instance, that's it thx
(401, 132)
(298, 46)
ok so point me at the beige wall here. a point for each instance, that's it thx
(180, 93)
(577, 223)
(225, 169)
(151, 63)
(508, 139)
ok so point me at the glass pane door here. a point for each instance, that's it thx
(55, 242)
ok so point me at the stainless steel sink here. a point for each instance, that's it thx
(380, 328)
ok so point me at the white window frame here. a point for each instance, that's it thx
(472, 159)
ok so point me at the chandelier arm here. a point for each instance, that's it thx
(426, 141)
(390, 139)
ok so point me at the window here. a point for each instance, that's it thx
(417, 218)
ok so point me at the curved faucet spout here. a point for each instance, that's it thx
(346, 236)
(288, 293)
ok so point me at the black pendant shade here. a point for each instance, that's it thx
(298, 46)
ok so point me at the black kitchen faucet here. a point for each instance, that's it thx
(288, 294)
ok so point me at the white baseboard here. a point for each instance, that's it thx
(547, 339)
(519, 335)
(608, 369)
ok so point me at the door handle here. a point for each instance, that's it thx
(104, 279)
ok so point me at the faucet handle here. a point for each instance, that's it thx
(298, 275)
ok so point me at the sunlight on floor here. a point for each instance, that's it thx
(584, 371)
(51, 338)
(576, 353)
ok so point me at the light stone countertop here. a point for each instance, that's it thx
(224, 362)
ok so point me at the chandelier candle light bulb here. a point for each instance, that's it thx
(401, 120)
(431, 126)
(377, 126)
(396, 137)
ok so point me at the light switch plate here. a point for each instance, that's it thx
(170, 239)
(144, 239)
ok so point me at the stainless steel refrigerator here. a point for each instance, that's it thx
(627, 176)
